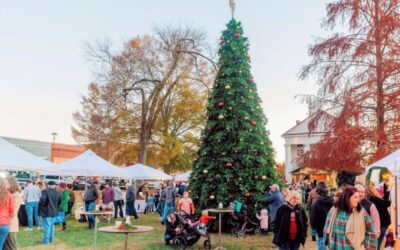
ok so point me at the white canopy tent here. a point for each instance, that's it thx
(183, 177)
(90, 164)
(142, 172)
(392, 162)
(17, 159)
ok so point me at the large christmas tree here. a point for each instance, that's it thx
(235, 157)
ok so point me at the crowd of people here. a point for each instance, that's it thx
(353, 217)
(45, 205)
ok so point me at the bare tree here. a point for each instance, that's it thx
(148, 70)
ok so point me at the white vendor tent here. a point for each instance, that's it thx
(183, 177)
(17, 159)
(90, 164)
(142, 172)
(391, 162)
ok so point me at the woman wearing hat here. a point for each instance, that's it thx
(62, 188)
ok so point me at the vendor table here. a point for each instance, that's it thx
(115, 230)
(220, 211)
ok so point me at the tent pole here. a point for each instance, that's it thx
(396, 207)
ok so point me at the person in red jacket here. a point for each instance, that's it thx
(6, 210)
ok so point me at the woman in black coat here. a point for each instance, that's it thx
(382, 204)
(290, 229)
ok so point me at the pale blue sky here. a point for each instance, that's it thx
(44, 73)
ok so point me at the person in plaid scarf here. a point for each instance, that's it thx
(348, 225)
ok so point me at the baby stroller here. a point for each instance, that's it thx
(242, 222)
(190, 234)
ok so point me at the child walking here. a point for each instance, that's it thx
(263, 218)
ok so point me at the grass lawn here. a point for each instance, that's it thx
(79, 237)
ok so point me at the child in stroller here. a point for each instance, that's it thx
(189, 233)
(243, 223)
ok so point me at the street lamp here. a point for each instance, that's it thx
(54, 134)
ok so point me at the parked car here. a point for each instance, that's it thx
(79, 183)
(57, 179)
(22, 177)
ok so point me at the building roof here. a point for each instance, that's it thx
(38, 148)
(302, 127)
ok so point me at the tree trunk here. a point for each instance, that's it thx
(380, 109)
(142, 154)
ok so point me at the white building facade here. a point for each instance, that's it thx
(298, 140)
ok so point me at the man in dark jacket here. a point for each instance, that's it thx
(90, 197)
(50, 200)
(274, 201)
(319, 211)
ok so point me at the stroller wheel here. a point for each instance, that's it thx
(257, 231)
(241, 234)
(234, 231)
(179, 241)
(207, 244)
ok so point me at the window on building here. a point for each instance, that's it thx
(300, 149)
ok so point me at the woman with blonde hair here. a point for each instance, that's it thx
(290, 229)
(6, 210)
(382, 204)
(16, 195)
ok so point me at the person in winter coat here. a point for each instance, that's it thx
(64, 202)
(273, 201)
(290, 228)
(50, 201)
(348, 225)
(311, 198)
(171, 228)
(108, 199)
(161, 202)
(71, 199)
(186, 204)
(31, 196)
(130, 209)
(319, 210)
(382, 204)
(370, 208)
(118, 201)
(6, 210)
(11, 241)
(170, 194)
(263, 218)
(90, 197)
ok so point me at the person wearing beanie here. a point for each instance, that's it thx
(319, 211)
(50, 201)
(90, 197)
(62, 188)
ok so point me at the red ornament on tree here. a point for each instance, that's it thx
(247, 194)
(195, 159)
(221, 104)
(253, 123)
(251, 79)
(221, 42)
(229, 164)
(237, 34)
